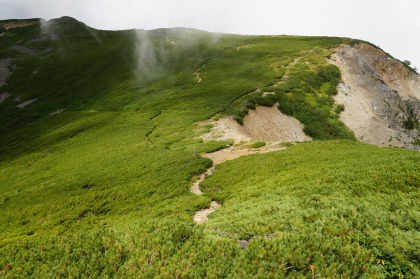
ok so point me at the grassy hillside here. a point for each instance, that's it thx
(102, 188)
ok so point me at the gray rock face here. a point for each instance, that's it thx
(381, 96)
(4, 96)
(24, 50)
(4, 70)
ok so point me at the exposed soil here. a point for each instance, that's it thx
(239, 47)
(294, 62)
(58, 111)
(4, 96)
(228, 154)
(195, 188)
(268, 123)
(226, 128)
(219, 157)
(25, 103)
(250, 93)
(16, 24)
(268, 93)
(232, 153)
(379, 95)
(201, 216)
(4, 70)
(263, 123)
(171, 42)
(197, 73)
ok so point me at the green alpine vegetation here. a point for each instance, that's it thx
(100, 145)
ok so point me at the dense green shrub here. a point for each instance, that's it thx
(258, 144)
(267, 101)
(102, 189)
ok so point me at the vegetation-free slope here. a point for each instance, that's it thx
(102, 189)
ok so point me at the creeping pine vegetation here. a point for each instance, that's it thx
(95, 173)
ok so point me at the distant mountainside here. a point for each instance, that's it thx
(180, 153)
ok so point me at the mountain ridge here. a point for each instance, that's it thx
(104, 133)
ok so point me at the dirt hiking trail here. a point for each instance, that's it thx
(263, 123)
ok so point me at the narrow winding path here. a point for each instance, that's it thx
(197, 73)
(219, 157)
(267, 124)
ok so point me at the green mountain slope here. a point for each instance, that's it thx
(95, 172)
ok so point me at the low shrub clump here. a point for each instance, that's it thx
(258, 144)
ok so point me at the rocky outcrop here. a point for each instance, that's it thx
(380, 94)
(262, 123)
(4, 70)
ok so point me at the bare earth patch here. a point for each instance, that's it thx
(263, 123)
(201, 216)
(16, 24)
(195, 188)
(25, 103)
(379, 95)
(268, 93)
(197, 73)
(57, 111)
(232, 153)
(4, 96)
(269, 123)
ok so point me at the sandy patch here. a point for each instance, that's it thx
(195, 188)
(201, 216)
(269, 123)
(263, 123)
(15, 24)
(362, 120)
(233, 153)
(25, 103)
(268, 93)
(226, 129)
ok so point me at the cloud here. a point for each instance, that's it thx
(147, 55)
(393, 25)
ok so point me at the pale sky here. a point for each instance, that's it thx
(393, 25)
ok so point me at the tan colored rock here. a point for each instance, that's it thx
(269, 123)
(379, 94)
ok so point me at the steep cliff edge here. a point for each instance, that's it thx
(381, 96)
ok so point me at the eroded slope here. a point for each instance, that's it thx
(380, 94)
